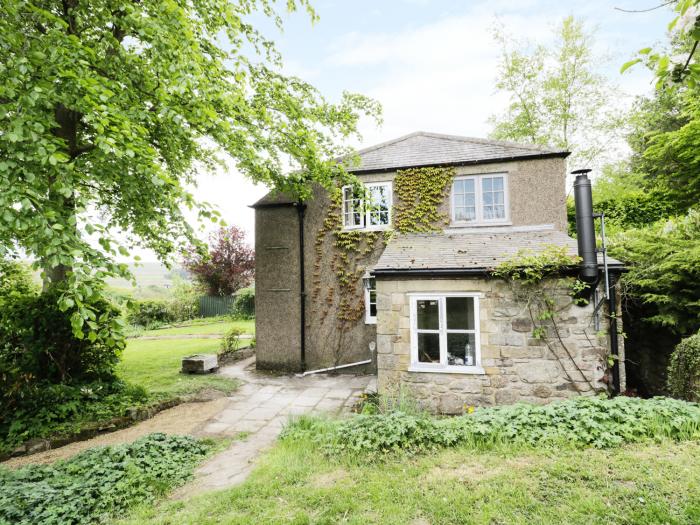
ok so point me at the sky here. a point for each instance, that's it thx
(430, 63)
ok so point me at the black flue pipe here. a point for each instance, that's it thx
(585, 230)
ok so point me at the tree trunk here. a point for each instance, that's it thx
(67, 130)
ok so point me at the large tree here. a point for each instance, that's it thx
(556, 96)
(109, 108)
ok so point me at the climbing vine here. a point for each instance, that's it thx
(535, 283)
(420, 193)
(346, 253)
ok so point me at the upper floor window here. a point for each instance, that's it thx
(370, 209)
(480, 199)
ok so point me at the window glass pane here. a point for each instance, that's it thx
(428, 314)
(493, 198)
(460, 313)
(461, 349)
(429, 348)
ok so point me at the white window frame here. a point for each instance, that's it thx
(442, 366)
(478, 198)
(366, 214)
(370, 319)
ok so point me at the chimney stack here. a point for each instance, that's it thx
(585, 230)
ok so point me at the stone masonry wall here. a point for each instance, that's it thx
(517, 366)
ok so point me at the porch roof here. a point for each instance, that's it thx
(470, 249)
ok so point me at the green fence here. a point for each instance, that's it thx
(211, 306)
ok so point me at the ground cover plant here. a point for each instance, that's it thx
(98, 483)
(584, 421)
(297, 483)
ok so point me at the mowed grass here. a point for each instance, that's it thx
(219, 327)
(297, 484)
(156, 364)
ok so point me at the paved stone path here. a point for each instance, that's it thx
(260, 408)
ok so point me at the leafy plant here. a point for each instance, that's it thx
(244, 304)
(99, 483)
(664, 269)
(231, 340)
(583, 421)
(684, 369)
(149, 314)
(56, 410)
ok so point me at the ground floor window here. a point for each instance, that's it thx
(371, 301)
(445, 333)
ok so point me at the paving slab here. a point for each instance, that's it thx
(260, 408)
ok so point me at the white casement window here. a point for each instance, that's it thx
(371, 301)
(480, 199)
(370, 210)
(445, 333)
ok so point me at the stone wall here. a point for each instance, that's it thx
(517, 366)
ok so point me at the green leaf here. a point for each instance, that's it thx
(629, 64)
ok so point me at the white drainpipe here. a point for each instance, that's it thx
(372, 347)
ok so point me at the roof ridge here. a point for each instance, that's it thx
(479, 140)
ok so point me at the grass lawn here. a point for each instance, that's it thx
(155, 365)
(295, 483)
(204, 327)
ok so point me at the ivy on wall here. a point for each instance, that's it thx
(421, 192)
(346, 253)
(535, 283)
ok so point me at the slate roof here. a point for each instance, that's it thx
(433, 149)
(472, 250)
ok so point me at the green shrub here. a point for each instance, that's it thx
(150, 313)
(51, 410)
(584, 421)
(185, 303)
(15, 279)
(99, 483)
(38, 346)
(684, 369)
(231, 340)
(244, 304)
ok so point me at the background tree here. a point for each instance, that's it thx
(227, 267)
(109, 108)
(673, 69)
(557, 98)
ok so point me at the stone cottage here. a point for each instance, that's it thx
(396, 275)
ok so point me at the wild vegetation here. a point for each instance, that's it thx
(579, 422)
(100, 483)
(577, 462)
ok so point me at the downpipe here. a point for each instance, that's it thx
(331, 368)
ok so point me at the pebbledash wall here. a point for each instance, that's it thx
(516, 366)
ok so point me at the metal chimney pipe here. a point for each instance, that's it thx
(585, 230)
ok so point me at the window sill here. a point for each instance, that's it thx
(470, 224)
(366, 229)
(464, 370)
(371, 321)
